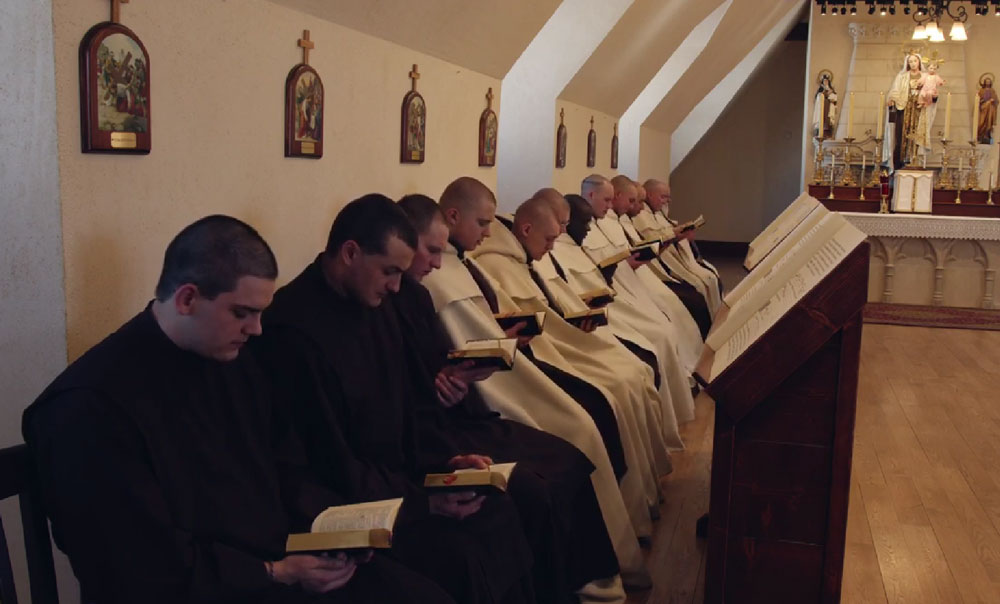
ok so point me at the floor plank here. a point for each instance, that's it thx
(924, 515)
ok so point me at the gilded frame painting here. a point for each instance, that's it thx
(413, 129)
(115, 114)
(304, 104)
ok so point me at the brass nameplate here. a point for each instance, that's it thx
(308, 148)
(123, 140)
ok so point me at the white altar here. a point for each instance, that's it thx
(931, 260)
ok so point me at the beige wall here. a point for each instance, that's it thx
(654, 154)
(217, 74)
(746, 168)
(831, 47)
(568, 179)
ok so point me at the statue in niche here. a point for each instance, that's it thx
(927, 100)
(825, 105)
(987, 99)
(902, 133)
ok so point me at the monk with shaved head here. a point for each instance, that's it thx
(538, 393)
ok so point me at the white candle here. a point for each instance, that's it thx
(991, 181)
(881, 107)
(975, 120)
(947, 119)
(925, 161)
(960, 163)
(850, 116)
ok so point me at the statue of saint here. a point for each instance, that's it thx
(927, 102)
(825, 106)
(903, 134)
(987, 99)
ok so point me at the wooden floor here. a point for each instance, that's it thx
(924, 522)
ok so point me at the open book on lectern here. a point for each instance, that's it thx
(763, 244)
(807, 262)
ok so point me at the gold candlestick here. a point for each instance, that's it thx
(972, 181)
(945, 177)
(818, 164)
(847, 179)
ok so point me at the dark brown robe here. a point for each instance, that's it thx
(169, 480)
(335, 362)
(551, 484)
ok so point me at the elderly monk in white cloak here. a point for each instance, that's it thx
(654, 221)
(525, 393)
(606, 239)
(601, 360)
(568, 274)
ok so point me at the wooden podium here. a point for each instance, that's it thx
(781, 465)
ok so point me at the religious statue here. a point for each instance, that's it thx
(927, 99)
(825, 106)
(902, 136)
(987, 99)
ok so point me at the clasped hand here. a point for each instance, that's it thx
(452, 382)
(515, 329)
(465, 503)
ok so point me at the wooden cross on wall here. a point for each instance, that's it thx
(306, 45)
(489, 98)
(414, 75)
(116, 10)
(562, 114)
(591, 122)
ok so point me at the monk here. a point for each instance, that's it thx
(505, 256)
(333, 348)
(166, 470)
(685, 251)
(466, 300)
(574, 559)
(688, 287)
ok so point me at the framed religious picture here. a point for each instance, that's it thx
(488, 133)
(304, 107)
(115, 112)
(614, 148)
(561, 141)
(591, 145)
(413, 128)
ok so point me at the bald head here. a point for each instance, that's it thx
(468, 207)
(536, 226)
(559, 205)
(625, 194)
(657, 194)
(598, 192)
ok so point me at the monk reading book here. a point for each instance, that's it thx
(345, 527)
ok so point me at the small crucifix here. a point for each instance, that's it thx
(591, 122)
(116, 10)
(562, 114)
(489, 98)
(306, 45)
(414, 75)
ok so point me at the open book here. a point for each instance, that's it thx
(614, 259)
(598, 298)
(780, 227)
(498, 354)
(597, 316)
(913, 192)
(493, 479)
(645, 251)
(691, 225)
(355, 526)
(825, 252)
(534, 322)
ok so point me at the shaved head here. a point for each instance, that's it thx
(592, 182)
(536, 226)
(622, 183)
(559, 205)
(657, 194)
(464, 193)
(625, 194)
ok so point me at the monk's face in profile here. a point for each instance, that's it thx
(371, 277)
(623, 200)
(218, 328)
(640, 199)
(539, 236)
(658, 197)
(430, 246)
(600, 199)
(469, 226)
(579, 221)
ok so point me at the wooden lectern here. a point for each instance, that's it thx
(781, 465)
